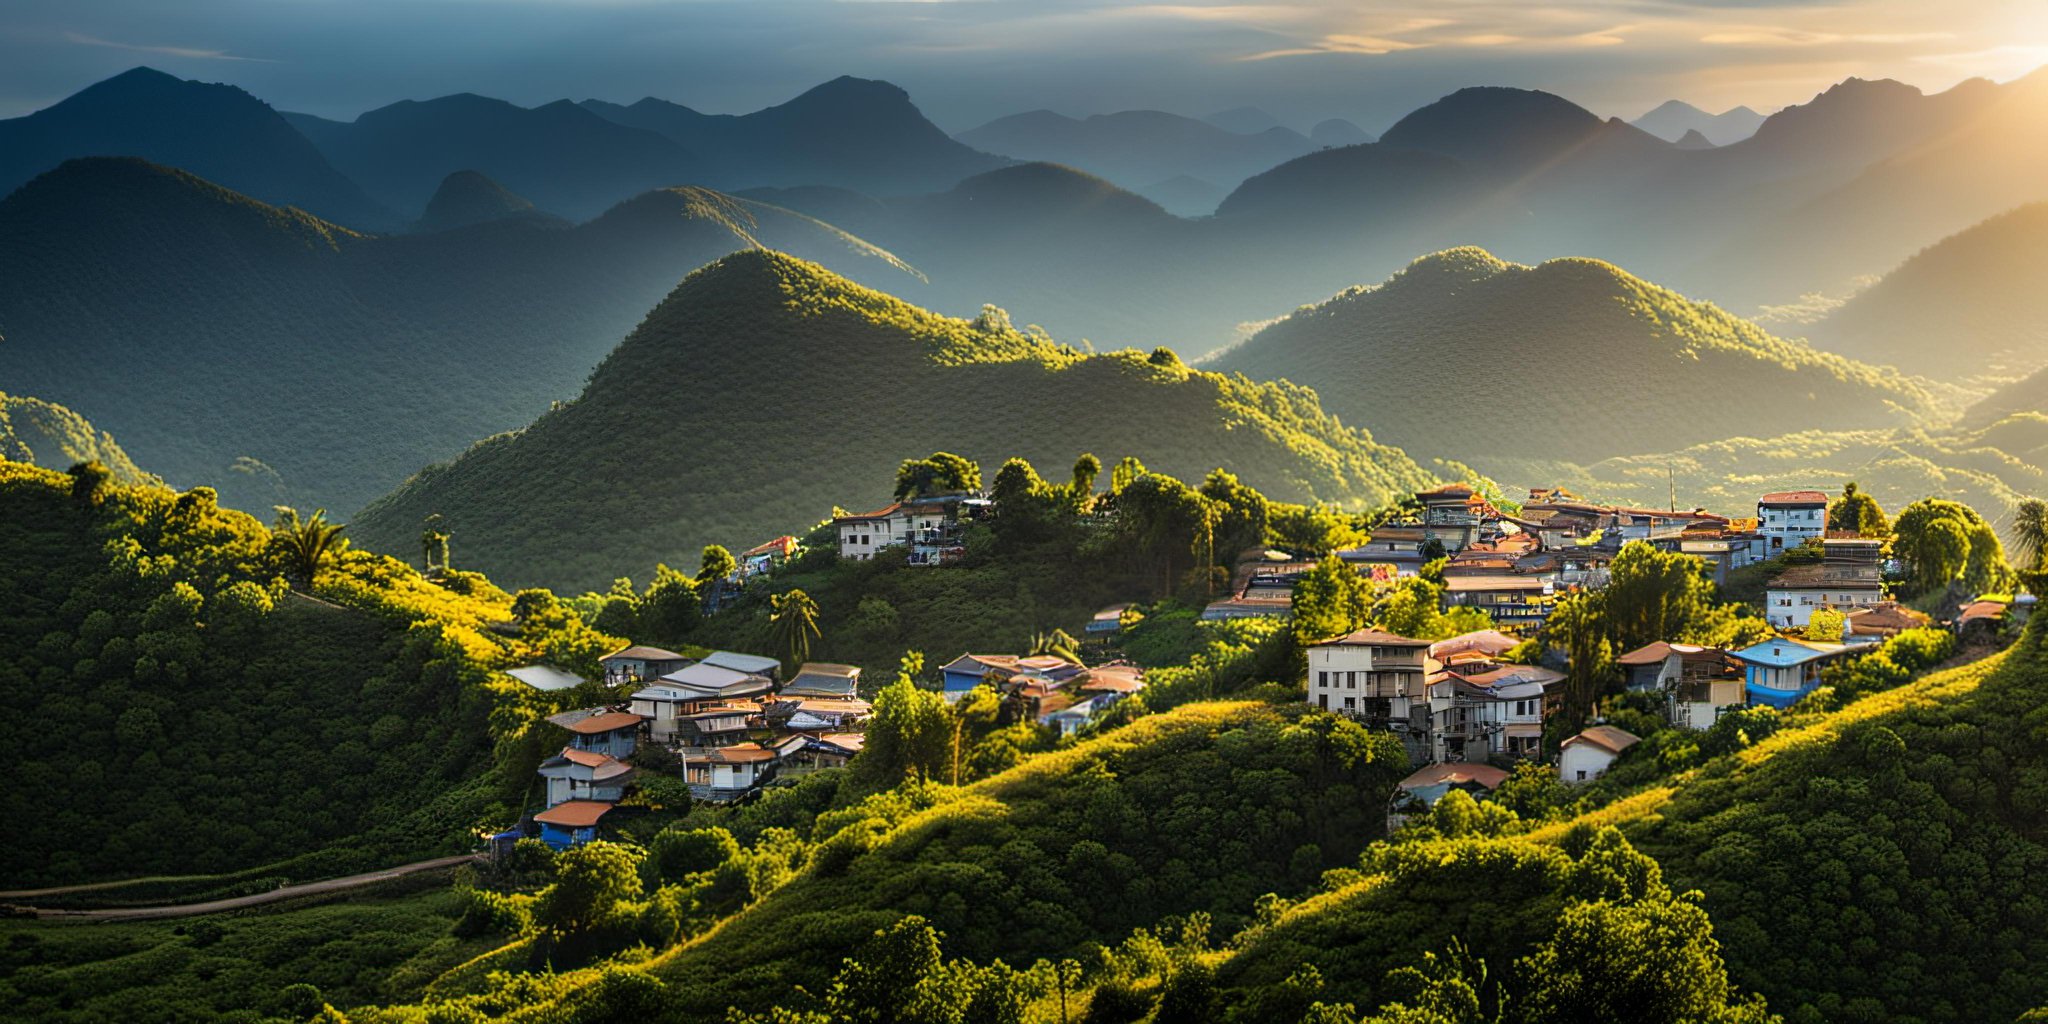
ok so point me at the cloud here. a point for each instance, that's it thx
(169, 51)
(1772, 36)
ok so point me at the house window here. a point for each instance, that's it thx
(1582, 775)
(1350, 703)
(1351, 680)
(1323, 679)
(1323, 701)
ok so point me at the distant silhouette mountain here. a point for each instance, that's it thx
(2026, 397)
(217, 131)
(1509, 130)
(1137, 147)
(561, 156)
(1338, 132)
(1692, 139)
(1674, 119)
(849, 132)
(1185, 195)
(1974, 302)
(280, 358)
(468, 197)
(1369, 184)
(1243, 120)
(1666, 371)
(670, 448)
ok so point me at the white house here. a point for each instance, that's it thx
(1787, 519)
(584, 775)
(1479, 711)
(1791, 598)
(728, 773)
(1587, 756)
(927, 528)
(1370, 674)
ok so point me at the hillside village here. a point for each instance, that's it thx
(1467, 708)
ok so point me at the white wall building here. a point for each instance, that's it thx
(1787, 519)
(1586, 757)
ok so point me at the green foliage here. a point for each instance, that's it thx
(1942, 541)
(793, 623)
(1857, 512)
(512, 496)
(942, 473)
(591, 884)
(911, 735)
(1331, 600)
(49, 435)
(715, 565)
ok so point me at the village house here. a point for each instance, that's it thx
(1480, 711)
(717, 682)
(1374, 676)
(1882, 621)
(639, 664)
(1431, 783)
(763, 558)
(823, 679)
(1241, 607)
(930, 530)
(831, 750)
(1397, 546)
(571, 823)
(1518, 602)
(585, 775)
(750, 664)
(1698, 683)
(960, 676)
(1107, 621)
(1587, 756)
(1792, 596)
(1787, 519)
(1724, 547)
(1779, 671)
(601, 731)
(1456, 515)
(720, 726)
(818, 714)
(725, 774)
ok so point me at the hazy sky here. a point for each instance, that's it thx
(965, 61)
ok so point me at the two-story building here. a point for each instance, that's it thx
(822, 679)
(1516, 601)
(639, 663)
(1778, 672)
(585, 775)
(1792, 596)
(1481, 711)
(1698, 683)
(929, 530)
(1372, 675)
(601, 731)
(725, 774)
(1787, 519)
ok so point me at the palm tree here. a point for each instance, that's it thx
(2030, 532)
(306, 543)
(1058, 643)
(793, 624)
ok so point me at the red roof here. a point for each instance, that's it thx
(574, 813)
(784, 544)
(1982, 610)
(741, 753)
(880, 513)
(606, 722)
(1794, 498)
(1657, 651)
(1455, 772)
(587, 758)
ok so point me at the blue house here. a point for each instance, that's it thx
(571, 823)
(1778, 672)
(604, 732)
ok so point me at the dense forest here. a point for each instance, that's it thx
(195, 700)
(676, 453)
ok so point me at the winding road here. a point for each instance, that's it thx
(232, 903)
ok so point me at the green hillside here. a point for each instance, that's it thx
(766, 390)
(1969, 304)
(1852, 864)
(279, 358)
(176, 709)
(1448, 355)
(48, 435)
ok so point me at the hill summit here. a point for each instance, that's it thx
(470, 197)
(767, 390)
(1445, 354)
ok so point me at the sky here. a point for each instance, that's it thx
(968, 61)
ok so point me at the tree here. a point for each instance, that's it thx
(1655, 595)
(1082, 487)
(1331, 600)
(1127, 470)
(433, 544)
(793, 624)
(1243, 513)
(1577, 626)
(1856, 512)
(305, 545)
(1826, 625)
(717, 564)
(1059, 644)
(911, 733)
(670, 610)
(1943, 541)
(942, 473)
(2030, 533)
(591, 881)
(88, 481)
(897, 977)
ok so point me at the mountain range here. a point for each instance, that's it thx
(765, 390)
(1674, 120)
(280, 357)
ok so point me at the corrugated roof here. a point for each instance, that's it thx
(642, 653)
(1794, 498)
(751, 664)
(1371, 637)
(606, 722)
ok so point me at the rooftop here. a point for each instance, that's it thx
(641, 652)
(1655, 652)
(1793, 498)
(752, 664)
(606, 722)
(1370, 637)
(1827, 576)
(1782, 653)
(1606, 737)
(545, 677)
(740, 753)
(1454, 773)
(574, 813)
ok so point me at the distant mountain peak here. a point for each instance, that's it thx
(472, 197)
(1692, 139)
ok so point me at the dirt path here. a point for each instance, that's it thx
(238, 902)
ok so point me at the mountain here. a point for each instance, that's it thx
(1243, 120)
(2026, 396)
(215, 131)
(158, 304)
(1692, 139)
(1191, 196)
(1499, 336)
(561, 156)
(1135, 147)
(1674, 119)
(1974, 302)
(468, 197)
(765, 390)
(1509, 131)
(48, 435)
(849, 133)
(1338, 132)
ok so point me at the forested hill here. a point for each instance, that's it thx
(1446, 354)
(176, 707)
(48, 435)
(280, 358)
(765, 390)
(1971, 303)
